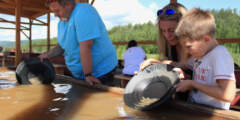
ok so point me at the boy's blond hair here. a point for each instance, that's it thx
(180, 10)
(195, 24)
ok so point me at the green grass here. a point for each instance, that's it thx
(234, 49)
(155, 56)
(236, 58)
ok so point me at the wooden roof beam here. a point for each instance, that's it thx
(12, 12)
(34, 9)
(7, 28)
(5, 5)
(9, 2)
(39, 14)
(13, 22)
(25, 35)
(12, 2)
(36, 3)
(7, 11)
(10, 6)
(40, 21)
(23, 27)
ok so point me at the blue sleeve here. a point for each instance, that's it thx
(87, 24)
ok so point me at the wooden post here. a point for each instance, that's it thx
(92, 2)
(30, 36)
(48, 31)
(18, 35)
(173, 1)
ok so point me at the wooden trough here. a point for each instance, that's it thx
(175, 104)
(185, 109)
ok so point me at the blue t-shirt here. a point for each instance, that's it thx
(85, 24)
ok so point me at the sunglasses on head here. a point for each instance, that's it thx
(166, 12)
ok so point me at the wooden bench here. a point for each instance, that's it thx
(59, 68)
(124, 79)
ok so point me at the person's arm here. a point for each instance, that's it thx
(148, 62)
(86, 59)
(225, 90)
(56, 51)
(152, 61)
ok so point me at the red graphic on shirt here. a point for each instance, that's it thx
(201, 74)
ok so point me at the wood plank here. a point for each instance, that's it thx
(18, 35)
(122, 77)
(28, 8)
(41, 21)
(180, 105)
(59, 68)
(114, 90)
(223, 114)
(229, 40)
(13, 22)
(7, 11)
(39, 14)
(153, 42)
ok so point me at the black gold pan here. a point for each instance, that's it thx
(151, 87)
(35, 71)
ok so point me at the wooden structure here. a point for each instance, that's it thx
(176, 104)
(30, 9)
(149, 42)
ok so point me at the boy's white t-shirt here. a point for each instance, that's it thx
(132, 59)
(216, 64)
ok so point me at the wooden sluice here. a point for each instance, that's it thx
(82, 101)
(175, 104)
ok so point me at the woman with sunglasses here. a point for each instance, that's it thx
(168, 45)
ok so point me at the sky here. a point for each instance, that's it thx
(119, 12)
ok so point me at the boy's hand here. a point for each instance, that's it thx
(136, 72)
(184, 85)
(180, 72)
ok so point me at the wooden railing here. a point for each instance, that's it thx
(150, 42)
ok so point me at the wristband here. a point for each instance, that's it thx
(88, 74)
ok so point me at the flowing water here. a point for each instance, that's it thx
(64, 101)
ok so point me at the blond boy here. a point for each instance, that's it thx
(213, 83)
